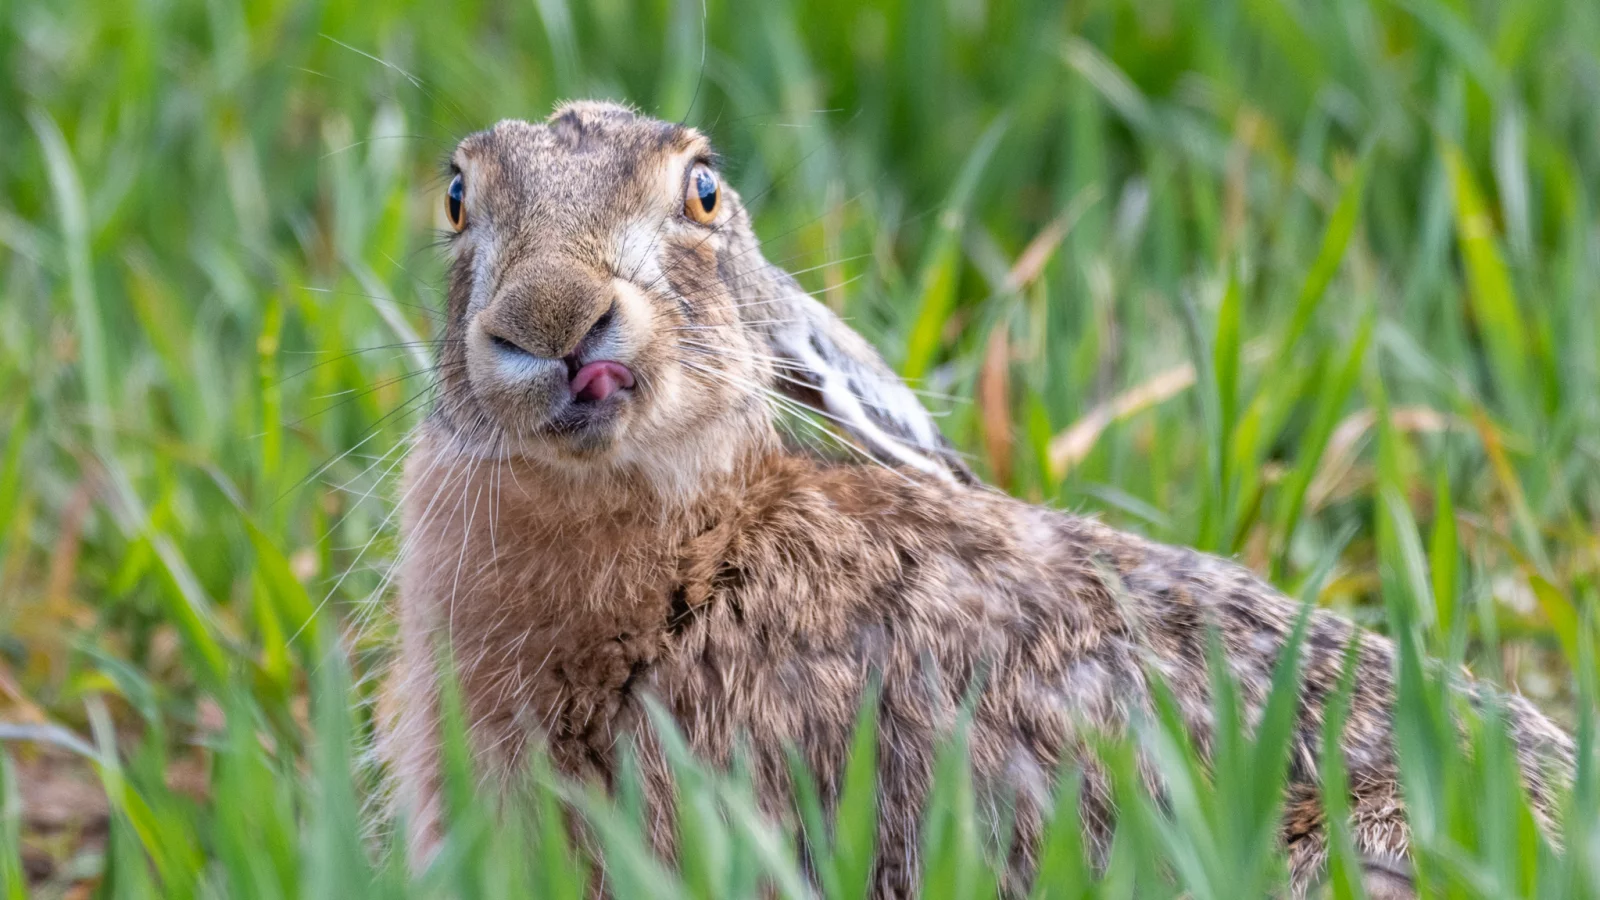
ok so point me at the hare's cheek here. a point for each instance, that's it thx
(693, 274)
(635, 316)
(667, 398)
(638, 251)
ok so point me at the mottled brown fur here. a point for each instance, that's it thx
(681, 551)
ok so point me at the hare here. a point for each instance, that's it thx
(601, 508)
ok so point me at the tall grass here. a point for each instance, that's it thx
(1312, 284)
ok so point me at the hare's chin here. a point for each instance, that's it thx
(589, 424)
(578, 430)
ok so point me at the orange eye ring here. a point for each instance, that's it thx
(455, 203)
(702, 195)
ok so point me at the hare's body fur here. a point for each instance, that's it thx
(762, 613)
(577, 552)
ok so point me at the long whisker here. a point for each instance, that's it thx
(401, 345)
(364, 392)
(436, 314)
(784, 364)
(414, 80)
(722, 329)
(381, 137)
(792, 406)
(334, 528)
(373, 431)
(382, 527)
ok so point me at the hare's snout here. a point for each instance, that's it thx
(574, 391)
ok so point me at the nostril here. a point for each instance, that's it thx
(507, 346)
(597, 331)
(516, 364)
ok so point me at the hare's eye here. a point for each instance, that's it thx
(455, 203)
(700, 198)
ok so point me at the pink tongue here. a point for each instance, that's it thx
(599, 380)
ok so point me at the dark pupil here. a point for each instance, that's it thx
(706, 187)
(455, 195)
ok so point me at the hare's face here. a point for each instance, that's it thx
(594, 308)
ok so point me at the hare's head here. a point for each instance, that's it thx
(609, 307)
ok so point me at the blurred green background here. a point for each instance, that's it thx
(1315, 284)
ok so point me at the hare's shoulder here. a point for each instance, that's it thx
(830, 579)
(860, 556)
(831, 547)
(833, 577)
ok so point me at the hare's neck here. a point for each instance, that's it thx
(488, 541)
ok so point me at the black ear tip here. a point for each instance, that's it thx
(958, 467)
(946, 454)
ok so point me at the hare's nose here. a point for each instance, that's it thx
(590, 378)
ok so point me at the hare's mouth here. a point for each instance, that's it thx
(598, 381)
(581, 399)
(597, 391)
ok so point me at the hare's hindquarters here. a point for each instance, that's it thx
(1173, 592)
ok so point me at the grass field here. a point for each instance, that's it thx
(1314, 284)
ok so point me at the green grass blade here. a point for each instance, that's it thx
(1343, 874)
(855, 830)
(1063, 868)
(336, 864)
(1493, 301)
(11, 874)
(1291, 499)
(1444, 556)
(73, 210)
(11, 470)
(936, 284)
(1341, 225)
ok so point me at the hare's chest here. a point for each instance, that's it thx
(559, 662)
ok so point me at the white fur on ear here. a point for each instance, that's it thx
(833, 369)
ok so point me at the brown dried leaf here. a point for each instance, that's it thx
(1071, 446)
(994, 405)
(1034, 257)
(1333, 478)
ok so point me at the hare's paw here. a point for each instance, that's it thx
(1388, 879)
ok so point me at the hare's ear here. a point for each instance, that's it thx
(827, 366)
